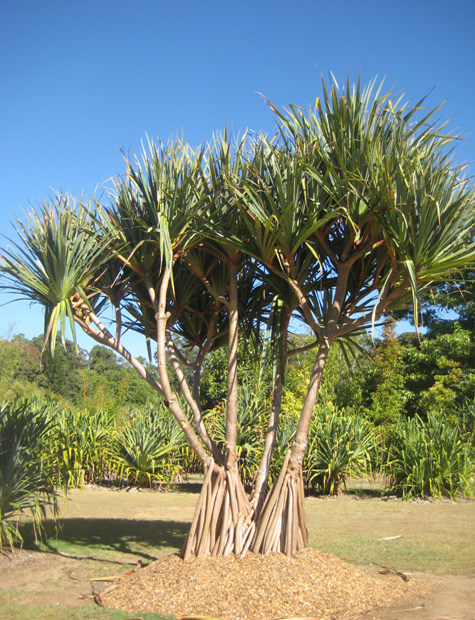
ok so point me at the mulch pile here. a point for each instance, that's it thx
(314, 584)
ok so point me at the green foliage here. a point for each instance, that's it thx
(251, 372)
(61, 374)
(146, 447)
(384, 381)
(429, 459)
(94, 380)
(467, 421)
(440, 373)
(19, 368)
(27, 471)
(108, 382)
(340, 444)
(81, 444)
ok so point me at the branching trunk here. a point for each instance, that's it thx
(171, 400)
(262, 474)
(281, 525)
(192, 401)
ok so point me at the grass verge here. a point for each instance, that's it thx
(110, 531)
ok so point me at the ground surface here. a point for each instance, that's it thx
(111, 531)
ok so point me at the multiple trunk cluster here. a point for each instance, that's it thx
(352, 211)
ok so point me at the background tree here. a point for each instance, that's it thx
(384, 383)
(20, 367)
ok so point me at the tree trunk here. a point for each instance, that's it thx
(262, 474)
(281, 526)
(232, 392)
(226, 522)
(223, 520)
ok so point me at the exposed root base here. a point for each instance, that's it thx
(226, 522)
(223, 520)
(281, 527)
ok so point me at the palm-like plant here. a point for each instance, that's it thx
(340, 444)
(352, 211)
(27, 471)
(429, 459)
(358, 211)
(81, 444)
(145, 445)
(55, 261)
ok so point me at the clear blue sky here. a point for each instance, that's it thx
(82, 79)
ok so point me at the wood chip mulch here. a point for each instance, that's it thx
(314, 584)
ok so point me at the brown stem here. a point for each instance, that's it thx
(299, 445)
(171, 400)
(232, 395)
(194, 405)
(267, 510)
(194, 524)
(262, 474)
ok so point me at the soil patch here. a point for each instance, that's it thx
(42, 578)
(313, 584)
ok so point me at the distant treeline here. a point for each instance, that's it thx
(394, 377)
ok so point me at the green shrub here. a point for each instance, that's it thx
(466, 417)
(146, 447)
(27, 471)
(81, 443)
(339, 446)
(429, 459)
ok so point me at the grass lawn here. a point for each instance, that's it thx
(108, 530)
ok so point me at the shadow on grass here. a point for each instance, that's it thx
(93, 538)
(187, 487)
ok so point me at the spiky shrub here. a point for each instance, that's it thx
(27, 471)
(146, 447)
(340, 445)
(189, 462)
(81, 444)
(429, 459)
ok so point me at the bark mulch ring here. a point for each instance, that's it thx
(314, 584)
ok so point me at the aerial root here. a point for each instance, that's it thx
(222, 523)
(281, 527)
(225, 521)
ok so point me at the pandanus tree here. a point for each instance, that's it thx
(358, 212)
(351, 211)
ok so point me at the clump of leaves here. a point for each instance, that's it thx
(146, 447)
(429, 459)
(81, 443)
(339, 446)
(27, 470)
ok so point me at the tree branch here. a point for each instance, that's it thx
(194, 405)
(172, 403)
(104, 337)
